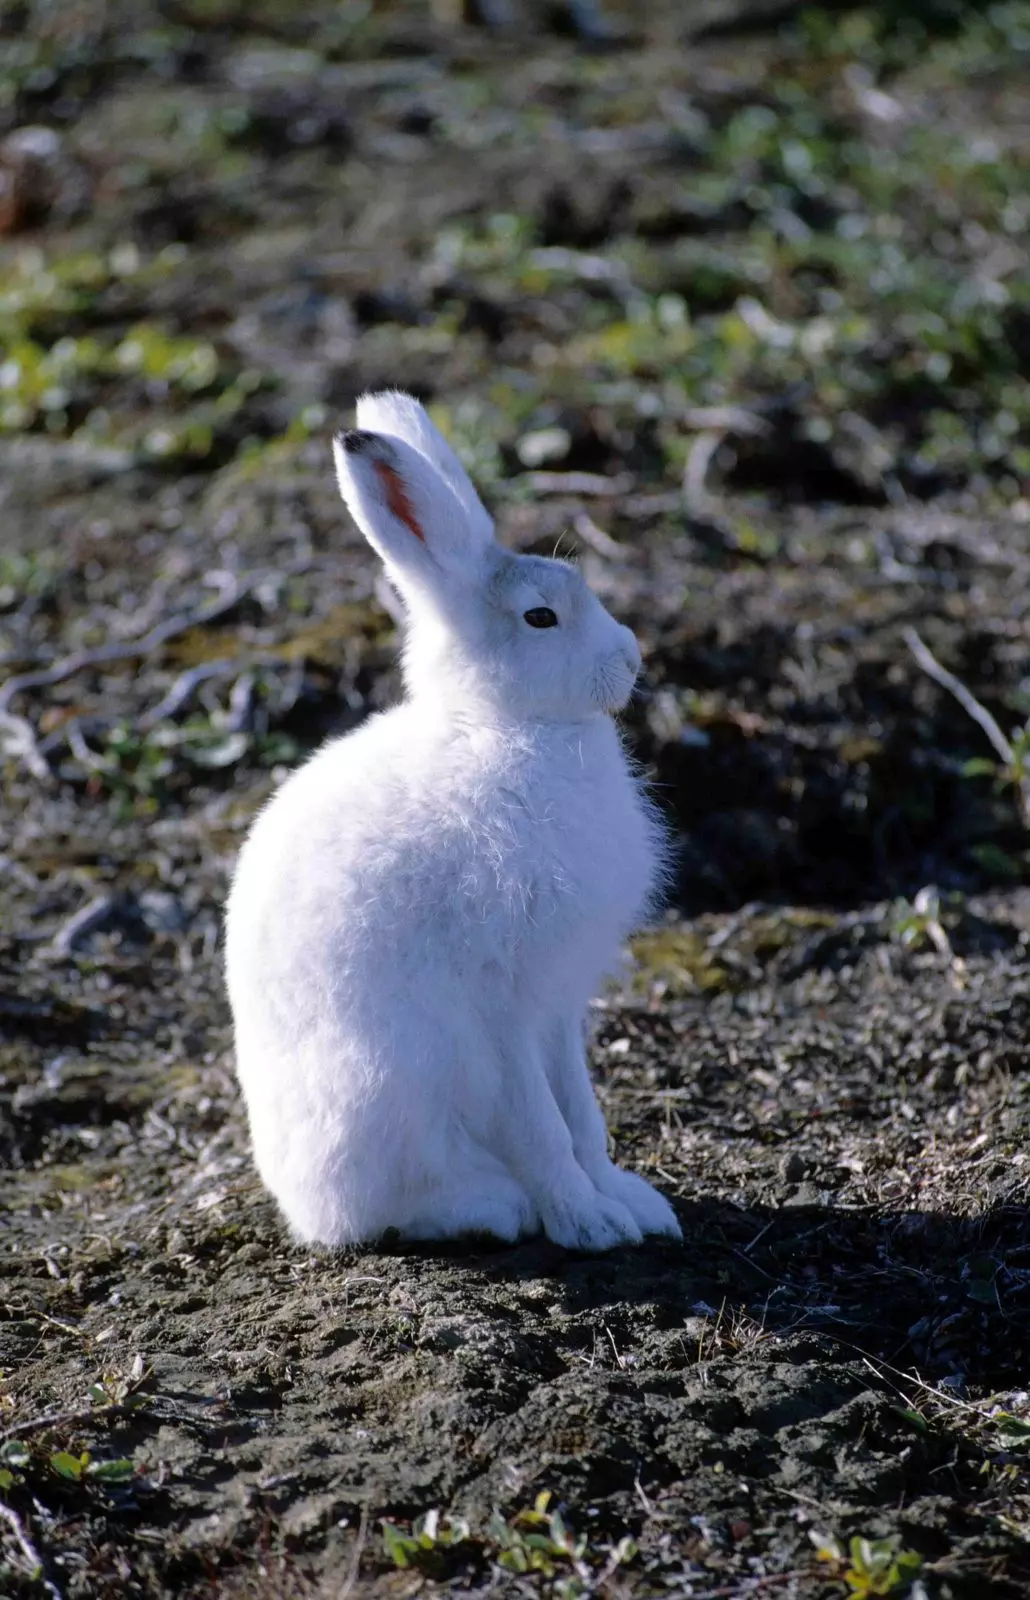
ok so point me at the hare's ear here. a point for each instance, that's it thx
(408, 513)
(402, 416)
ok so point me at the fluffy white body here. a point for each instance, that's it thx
(421, 915)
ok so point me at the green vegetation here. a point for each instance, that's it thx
(19, 1461)
(160, 393)
(536, 1540)
(834, 241)
(871, 1566)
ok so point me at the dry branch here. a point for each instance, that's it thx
(31, 1555)
(104, 655)
(50, 1420)
(979, 713)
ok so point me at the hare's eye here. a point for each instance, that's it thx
(541, 617)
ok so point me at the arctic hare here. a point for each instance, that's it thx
(421, 914)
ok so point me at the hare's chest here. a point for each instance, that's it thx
(588, 848)
(611, 860)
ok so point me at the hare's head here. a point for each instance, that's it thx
(521, 634)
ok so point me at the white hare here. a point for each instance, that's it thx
(421, 914)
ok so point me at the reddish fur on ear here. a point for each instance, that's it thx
(397, 498)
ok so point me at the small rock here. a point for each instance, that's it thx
(543, 446)
(161, 911)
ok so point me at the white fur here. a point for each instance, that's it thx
(420, 916)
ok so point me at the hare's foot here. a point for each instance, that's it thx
(651, 1211)
(497, 1206)
(583, 1219)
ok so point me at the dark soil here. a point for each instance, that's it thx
(732, 303)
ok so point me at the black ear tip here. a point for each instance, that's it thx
(354, 443)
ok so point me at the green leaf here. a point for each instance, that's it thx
(866, 1557)
(497, 1529)
(6, 1478)
(991, 858)
(1013, 1428)
(979, 767)
(66, 1465)
(400, 1547)
(827, 1548)
(917, 1421)
(878, 1567)
(119, 1471)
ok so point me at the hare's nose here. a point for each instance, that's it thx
(631, 652)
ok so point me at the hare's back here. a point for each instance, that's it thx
(378, 832)
(410, 836)
(335, 812)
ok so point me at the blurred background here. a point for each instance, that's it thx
(728, 300)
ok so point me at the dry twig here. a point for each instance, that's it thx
(33, 1559)
(183, 689)
(581, 483)
(354, 1567)
(747, 1586)
(49, 1420)
(979, 713)
(601, 543)
(104, 655)
(83, 922)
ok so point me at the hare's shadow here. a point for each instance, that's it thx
(943, 1293)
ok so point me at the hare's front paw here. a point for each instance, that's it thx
(593, 1223)
(501, 1210)
(651, 1210)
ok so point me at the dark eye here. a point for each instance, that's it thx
(541, 617)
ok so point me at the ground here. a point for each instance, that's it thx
(731, 303)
